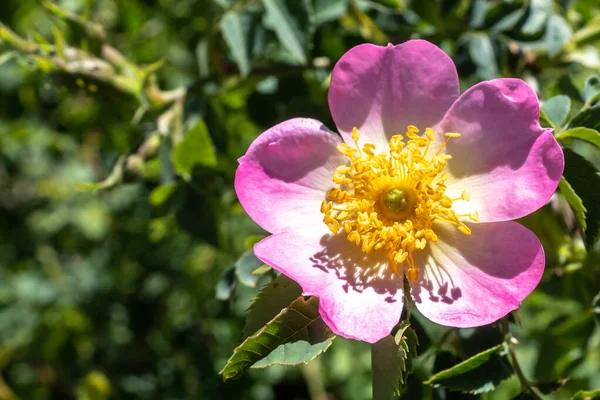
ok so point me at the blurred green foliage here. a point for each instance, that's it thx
(124, 263)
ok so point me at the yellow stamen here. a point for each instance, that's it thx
(389, 202)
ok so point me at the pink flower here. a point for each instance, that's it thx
(351, 216)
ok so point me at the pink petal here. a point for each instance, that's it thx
(353, 301)
(475, 280)
(285, 174)
(382, 90)
(509, 164)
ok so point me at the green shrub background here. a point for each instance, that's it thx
(120, 234)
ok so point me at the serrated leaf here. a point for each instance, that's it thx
(299, 321)
(386, 363)
(297, 353)
(392, 360)
(273, 298)
(478, 374)
(574, 201)
(589, 135)
(196, 149)
(245, 266)
(585, 181)
(557, 108)
(286, 29)
(235, 37)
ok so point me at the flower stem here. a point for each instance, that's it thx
(525, 383)
(314, 381)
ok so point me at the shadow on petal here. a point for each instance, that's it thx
(357, 269)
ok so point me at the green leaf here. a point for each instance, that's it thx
(585, 181)
(583, 395)
(386, 365)
(162, 193)
(235, 36)
(290, 354)
(7, 56)
(196, 148)
(589, 135)
(329, 10)
(286, 29)
(558, 34)
(225, 284)
(406, 339)
(245, 266)
(478, 374)
(482, 53)
(273, 298)
(596, 307)
(263, 269)
(591, 91)
(574, 201)
(557, 108)
(392, 361)
(588, 118)
(299, 321)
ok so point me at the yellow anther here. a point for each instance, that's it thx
(465, 196)
(326, 206)
(452, 134)
(347, 226)
(390, 202)
(430, 133)
(464, 229)
(355, 135)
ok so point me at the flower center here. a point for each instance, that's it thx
(397, 203)
(390, 201)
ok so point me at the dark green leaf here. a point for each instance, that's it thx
(574, 201)
(585, 181)
(591, 91)
(596, 307)
(225, 284)
(588, 118)
(297, 353)
(286, 28)
(299, 321)
(392, 361)
(270, 301)
(557, 108)
(386, 366)
(547, 387)
(236, 38)
(478, 374)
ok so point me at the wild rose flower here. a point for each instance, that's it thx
(423, 183)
